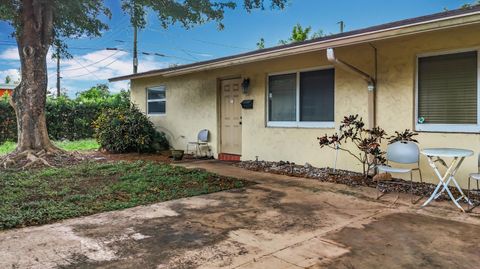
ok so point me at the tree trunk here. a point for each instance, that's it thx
(29, 98)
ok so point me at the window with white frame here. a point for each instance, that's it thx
(156, 100)
(448, 92)
(302, 99)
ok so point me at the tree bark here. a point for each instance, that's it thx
(29, 98)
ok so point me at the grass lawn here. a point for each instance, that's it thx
(84, 144)
(44, 196)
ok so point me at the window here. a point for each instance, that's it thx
(448, 92)
(156, 100)
(301, 99)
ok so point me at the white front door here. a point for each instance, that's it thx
(231, 117)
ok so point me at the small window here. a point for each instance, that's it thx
(302, 99)
(447, 98)
(156, 100)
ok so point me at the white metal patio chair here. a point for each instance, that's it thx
(476, 177)
(402, 153)
(202, 142)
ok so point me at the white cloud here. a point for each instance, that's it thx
(14, 74)
(10, 53)
(116, 87)
(86, 70)
(103, 64)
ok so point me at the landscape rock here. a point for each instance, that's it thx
(350, 178)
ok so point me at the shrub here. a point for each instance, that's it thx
(122, 130)
(368, 141)
(8, 121)
(405, 136)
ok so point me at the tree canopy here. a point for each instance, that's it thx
(299, 34)
(87, 18)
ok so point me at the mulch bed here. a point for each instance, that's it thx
(161, 157)
(345, 177)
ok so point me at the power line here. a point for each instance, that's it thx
(82, 75)
(205, 41)
(204, 54)
(86, 68)
(155, 54)
(94, 63)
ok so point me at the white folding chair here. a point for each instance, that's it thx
(402, 153)
(202, 141)
(476, 177)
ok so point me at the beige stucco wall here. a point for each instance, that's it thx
(192, 101)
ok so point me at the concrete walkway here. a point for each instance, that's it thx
(280, 223)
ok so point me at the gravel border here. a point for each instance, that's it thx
(345, 177)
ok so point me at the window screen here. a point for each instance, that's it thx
(282, 97)
(156, 100)
(317, 95)
(447, 89)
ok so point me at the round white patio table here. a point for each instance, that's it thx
(458, 156)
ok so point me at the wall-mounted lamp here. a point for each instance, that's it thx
(245, 85)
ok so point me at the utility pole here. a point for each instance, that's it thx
(135, 53)
(58, 71)
(342, 26)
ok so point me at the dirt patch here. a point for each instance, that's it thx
(407, 240)
(35, 161)
(169, 240)
(129, 157)
(201, 233)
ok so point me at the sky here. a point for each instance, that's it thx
(93, 64)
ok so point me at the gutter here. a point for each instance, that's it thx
(348, 67)
(371, 83)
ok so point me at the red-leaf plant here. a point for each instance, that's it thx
(368, 141)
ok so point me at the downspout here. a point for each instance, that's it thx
(371, 83)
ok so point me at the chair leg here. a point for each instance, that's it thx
(379, 193)
(420, 173)
(201, 151)
(411, 187)
(468, 194)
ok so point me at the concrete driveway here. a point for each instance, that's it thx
(280, 223)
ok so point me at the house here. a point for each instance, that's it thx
(6, 88)
(420, 73)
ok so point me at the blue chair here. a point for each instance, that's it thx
(402, 153)
(202, 141)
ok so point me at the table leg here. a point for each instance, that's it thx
(461, 192)
(440, 177)
(450, 174)
(453, 198)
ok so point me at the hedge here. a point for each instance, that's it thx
(66, 119)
